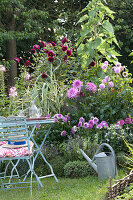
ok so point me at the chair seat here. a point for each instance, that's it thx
(18, 152)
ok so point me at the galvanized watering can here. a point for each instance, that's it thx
(105, 162)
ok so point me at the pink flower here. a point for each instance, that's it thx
(63, 133)
(43, 44)
(69, 53)
(106, 63)
(27, 63)
(59, 116)
(56, 120)
(44, 75)
(12, 92)
(107, 78)
(99, 126)
(90, 126)
(86, 124)
(77, 84)
(64, 40)
(36, 46)
(110, 84)
(95, 120)
(72, 93)
(51, 53)
(64, 119)
(128, 121)
(2, 68)
(81, 119)
(104, 124)
(103, 81)
(125, 74)
(91, 87)
(121, 122)
(51, 59)
(68, 118)
(16, 59)
(74, 129)
(91, 122)
(102, 86)
(33, 51)
(118, 64)
(64, 48)
(79, 124)
(53, 44)
(38, 125)
(117, 70)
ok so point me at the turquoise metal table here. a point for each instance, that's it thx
(32, 122)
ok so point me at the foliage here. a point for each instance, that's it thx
(127, 193)
(123, 28)
(77, 169)
(97, 34)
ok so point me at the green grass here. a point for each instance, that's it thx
(88, 188)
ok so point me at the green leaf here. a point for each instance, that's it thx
(108, 26)
(131, 54)
(83, 18)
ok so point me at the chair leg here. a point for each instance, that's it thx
(14, 168)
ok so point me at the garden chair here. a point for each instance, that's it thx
(15, 146)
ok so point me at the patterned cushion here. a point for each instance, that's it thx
(19, 152)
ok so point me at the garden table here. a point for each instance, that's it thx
(32, 122)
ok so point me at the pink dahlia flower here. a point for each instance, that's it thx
(77, 84)
(110, 84)
(72, 93)
(16, 59)
(91, 87)
(102, 86)
(36, 46)
(64, 40)
(64, 48)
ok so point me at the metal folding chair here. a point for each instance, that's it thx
(14, 134)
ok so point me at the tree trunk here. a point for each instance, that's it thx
(11, 54)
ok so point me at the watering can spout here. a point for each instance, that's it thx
(89, 160)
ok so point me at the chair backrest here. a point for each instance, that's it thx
(14, 128)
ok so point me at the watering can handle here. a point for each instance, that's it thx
(104, 144)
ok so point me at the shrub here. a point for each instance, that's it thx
(78, 169)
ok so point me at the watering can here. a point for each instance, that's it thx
(105, 162)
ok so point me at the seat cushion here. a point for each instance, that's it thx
(19, 152)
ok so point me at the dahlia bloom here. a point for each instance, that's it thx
(43, 75)
(16, 59)
(110, 84)
(12, 92)
(77, 84)
(64, 48)
(2, 68)
(128, 121)
(63, 133)
(104, 81)
(107, 78)
(27, 63)
(102, 86)
(33, 51)
(43, 44)
(53, 44)
(51, 59)
(64, 40)
(121, 122)
(51, 54)
(91, 87)
(117, 70)
(36, 46)
(72, 93)
(69, 53)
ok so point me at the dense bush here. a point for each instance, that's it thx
(78, 169)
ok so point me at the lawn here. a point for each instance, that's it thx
(88, 188)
